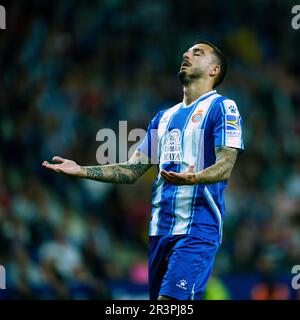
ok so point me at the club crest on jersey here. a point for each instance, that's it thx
(197, 117)
(172, 148)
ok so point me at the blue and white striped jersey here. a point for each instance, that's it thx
(182, 136)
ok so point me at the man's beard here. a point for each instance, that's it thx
(186, 79)
(183, 77)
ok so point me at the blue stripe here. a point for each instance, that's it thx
(215, 209)
(213, 104)
(154, 193)
(223, 125)
(242, 139)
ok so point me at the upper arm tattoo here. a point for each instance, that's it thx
(225, 159)
(227, 153)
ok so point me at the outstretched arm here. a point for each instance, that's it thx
(219, 171)
(127, 172)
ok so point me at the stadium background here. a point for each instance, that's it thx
(69, 68)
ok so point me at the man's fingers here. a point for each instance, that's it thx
(58, 159)
(179, 178)
(48, 165)
(164, 174)
(175, 174)
(172, 174)
(168, 173)
(169, 178)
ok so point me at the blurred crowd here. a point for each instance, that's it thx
(69, 68)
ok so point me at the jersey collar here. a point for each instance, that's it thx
(201, 98)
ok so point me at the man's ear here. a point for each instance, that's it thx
(214, 70)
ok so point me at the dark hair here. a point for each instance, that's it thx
(221, 60)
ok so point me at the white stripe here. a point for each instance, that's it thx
(166, 117)
(224, 131)
(193, 291)
(155, 213)
(215, 209)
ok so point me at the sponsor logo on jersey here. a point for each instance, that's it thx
(172, 148)
(233, 123)
(233, 133)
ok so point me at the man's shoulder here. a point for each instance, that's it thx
(168, 110)
(228, 105)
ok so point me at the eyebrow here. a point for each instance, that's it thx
(199, 50)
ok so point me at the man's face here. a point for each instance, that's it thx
(196, 63)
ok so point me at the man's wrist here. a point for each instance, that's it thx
(83, 172)
(198, 178)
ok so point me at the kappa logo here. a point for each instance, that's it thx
(232, 109)
(182, 284)
(197, 116)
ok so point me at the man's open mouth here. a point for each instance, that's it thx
(185, 64)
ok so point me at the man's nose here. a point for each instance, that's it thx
(186, 55)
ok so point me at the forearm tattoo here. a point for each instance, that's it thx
(125, 173)
(221, 170)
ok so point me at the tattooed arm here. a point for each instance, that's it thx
(219, 171)
(127, 172)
